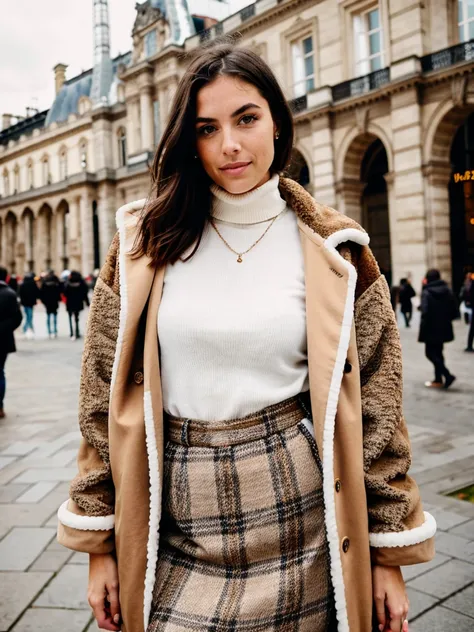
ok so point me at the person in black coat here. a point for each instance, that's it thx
(405, 295)
(50, 295)
(470, 301)
(438, 310)
(29, 294)
(10, 319)
(76, 293)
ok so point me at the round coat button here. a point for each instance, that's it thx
(345, 544)
(347, 367)
(138, 377)
(337, 485)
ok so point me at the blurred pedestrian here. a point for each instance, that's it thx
(76, 293)
(29, 294)
(470, 301)
(50, 294)
(10, 319)
(13, 283)
(405, 295)
(438, 310)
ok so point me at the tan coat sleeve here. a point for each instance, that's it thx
(86, 520)
(401, 532)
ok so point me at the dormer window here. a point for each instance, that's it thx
(151, 43)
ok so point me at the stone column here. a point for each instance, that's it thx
(43, 244)
(438, 229)
(74, 243)
(146, 115)
(409, 253)
(87, 234)
(3, 238)
(60, 245)
(349, 193)
(106, 209)
(133, 127)
(323, 177)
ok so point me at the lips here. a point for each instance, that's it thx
(235, 168)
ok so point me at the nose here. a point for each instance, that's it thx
(230, 144)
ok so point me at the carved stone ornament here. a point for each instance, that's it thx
(146, 15)
(362, 119)
(459, 89)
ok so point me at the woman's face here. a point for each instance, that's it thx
(235, 133)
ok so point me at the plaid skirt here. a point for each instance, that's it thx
(243, 544)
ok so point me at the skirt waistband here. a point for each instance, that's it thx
(265, 422)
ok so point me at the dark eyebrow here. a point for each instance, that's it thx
(242, 109)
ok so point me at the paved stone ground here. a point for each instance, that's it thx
(43, 586)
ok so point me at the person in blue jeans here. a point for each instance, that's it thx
(10, 319)
(29, 294)
(50, 295)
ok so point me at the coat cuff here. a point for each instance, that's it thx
(84, 523)
(405, 538)
(89, 534)
(413, 546)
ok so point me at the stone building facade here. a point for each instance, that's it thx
(381, 92)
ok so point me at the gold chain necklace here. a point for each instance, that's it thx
(240, 254)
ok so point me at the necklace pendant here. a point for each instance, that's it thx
(239, 259)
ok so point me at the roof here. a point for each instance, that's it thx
(25, 126)
(66, 101)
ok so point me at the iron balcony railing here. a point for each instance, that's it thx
(360, 85)
(247, 12)
(299, 104)
(448, 57)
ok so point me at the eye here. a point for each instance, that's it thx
(206, 130)
(248, 119)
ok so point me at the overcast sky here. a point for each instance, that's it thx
(35, 36)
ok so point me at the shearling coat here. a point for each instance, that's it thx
(373, 511)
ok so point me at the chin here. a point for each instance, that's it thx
(237, 186)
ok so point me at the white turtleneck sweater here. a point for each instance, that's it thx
(233, 335)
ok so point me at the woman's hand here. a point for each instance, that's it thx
(103, 591)
(391, 601)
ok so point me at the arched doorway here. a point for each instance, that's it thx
(374, 205)
(363, 193)
(62, 235)
(461, 202)
(299, 170)
(95, 225)
(29, 239)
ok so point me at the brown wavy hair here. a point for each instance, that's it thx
(178, 207)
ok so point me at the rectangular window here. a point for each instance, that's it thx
(302, 54)
(368, 42)
(466, 20)
(17, 180)
(151, 43)
(6, 184)
(156, 122)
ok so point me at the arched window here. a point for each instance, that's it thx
(30, 174)
(6, 183)
(16, 177)
(84, 105)
(122, 147)
(63, 164)
(45, 170)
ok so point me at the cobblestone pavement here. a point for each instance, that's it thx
(43, 586)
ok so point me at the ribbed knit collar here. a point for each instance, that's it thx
(258, 205)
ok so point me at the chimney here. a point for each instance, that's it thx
(6, 120)
(59, 76)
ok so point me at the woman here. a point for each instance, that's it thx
(405, 296)
(50, 294)
(29, 294)
(249, 470)
(76, 293)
